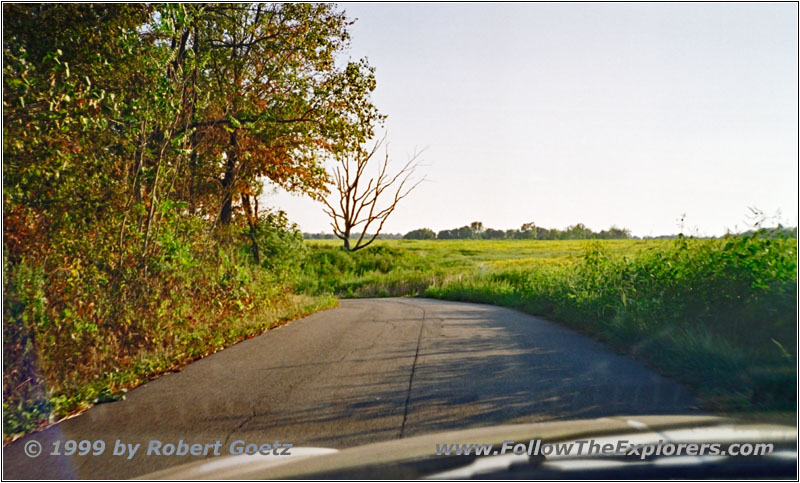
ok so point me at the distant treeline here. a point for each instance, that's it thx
(356, 236)
(528, 231)
(476, 231)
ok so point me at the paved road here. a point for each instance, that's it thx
(370, 370)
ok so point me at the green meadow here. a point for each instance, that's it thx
(409, 267)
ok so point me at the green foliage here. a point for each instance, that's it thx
(378, 270)
(281, 244)
(420, 234)
(134, 139)
(23, 316)
(529, 231)
(73, 339)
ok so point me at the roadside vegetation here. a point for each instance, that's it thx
(82, 334)
(716, 314)
(136, 141)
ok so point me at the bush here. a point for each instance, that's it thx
(79, 330)
(280, 244)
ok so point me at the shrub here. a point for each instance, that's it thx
(280, 243)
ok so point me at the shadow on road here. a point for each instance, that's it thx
(371, 370)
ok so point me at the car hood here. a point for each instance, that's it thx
(415, 457)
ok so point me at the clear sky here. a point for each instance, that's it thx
(604, 114)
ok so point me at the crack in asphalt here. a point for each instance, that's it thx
(240, 425)
(413, 369)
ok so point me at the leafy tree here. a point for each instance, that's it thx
(420, 234)
(463, 233)
(529, 231)
(492, 234)
(614, 233)
(277, 98)
(578, 232)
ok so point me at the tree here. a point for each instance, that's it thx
(492, 234)
(265, 99)
(615, 233)
(577, 232)
(420, 234)
(276, 100)
(463, 233)
(367, 206)
(446, 235)
(528, 230)
(476, 227)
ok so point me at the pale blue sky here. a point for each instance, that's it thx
(605, 114)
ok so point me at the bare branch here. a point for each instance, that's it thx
(369, 205)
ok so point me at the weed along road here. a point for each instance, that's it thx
(367, 371)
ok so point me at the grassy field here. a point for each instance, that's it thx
(719, 315)
(410, 267)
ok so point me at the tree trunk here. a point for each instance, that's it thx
(226, 213)
(193, 163)
(347, 238)
(252, 221)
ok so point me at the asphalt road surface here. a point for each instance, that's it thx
(370, 370)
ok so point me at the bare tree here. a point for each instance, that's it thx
(366, 202)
